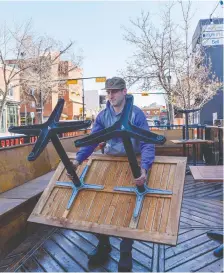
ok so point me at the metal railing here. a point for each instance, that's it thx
(211, 153)
(208, 153)
(7, 141)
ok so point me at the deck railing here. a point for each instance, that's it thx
(211, 153)
(15, 140)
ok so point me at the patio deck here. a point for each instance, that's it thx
(53, 249)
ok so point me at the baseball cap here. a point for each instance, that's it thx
(115, 83)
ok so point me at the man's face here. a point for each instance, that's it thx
(116, 96)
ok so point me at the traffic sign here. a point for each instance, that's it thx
(72, 82)
(145, 94)
(100, 79)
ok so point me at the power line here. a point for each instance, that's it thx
(220, 2)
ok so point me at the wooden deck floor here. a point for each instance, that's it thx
(59, 250)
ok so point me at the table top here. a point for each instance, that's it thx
(190, 141)
(111, 212)
(207, 173)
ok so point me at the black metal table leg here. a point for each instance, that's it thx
(194, 154)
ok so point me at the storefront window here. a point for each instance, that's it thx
(12, 115)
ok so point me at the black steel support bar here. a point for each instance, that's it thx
(186, 112)
(136, 170)
(186, 126)
(66, 161)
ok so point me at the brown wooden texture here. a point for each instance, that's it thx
(13, 224)
(16, 170)
(190, 141)
(172, 134)
(109, 212)
(62, 250)
(207, 173)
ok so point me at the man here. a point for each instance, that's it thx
(116, 91)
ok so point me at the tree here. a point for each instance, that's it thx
(11, 45)
(45, 61)
(163, 60)
(27, 60)
(195, 83)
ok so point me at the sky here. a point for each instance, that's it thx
(96, 26)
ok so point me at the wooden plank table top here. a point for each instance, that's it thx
(190, 141)
(110, 212)
(207, 173)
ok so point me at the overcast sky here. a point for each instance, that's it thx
(97, 29)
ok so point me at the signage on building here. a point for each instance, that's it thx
(212, 35)
(212, 27)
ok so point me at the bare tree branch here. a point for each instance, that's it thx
(162, 54)
(32, 62)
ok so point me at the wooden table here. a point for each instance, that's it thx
(193, 142)
(110, 212)
(210, 174)
(207, 173)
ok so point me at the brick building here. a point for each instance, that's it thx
(72, 95)
(156, 113)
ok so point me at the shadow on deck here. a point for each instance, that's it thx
(53, 249)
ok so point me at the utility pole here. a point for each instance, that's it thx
(170, 106)
(41, 105)
(83, 101)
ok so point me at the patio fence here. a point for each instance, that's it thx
(211, 154)
(15, 140)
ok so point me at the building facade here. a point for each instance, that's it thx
(72, 94)
(209, 35)
(11, 111)
(156, 114)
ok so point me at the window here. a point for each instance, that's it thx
(12, 115)
(11, 91)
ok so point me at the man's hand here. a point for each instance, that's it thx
(75, 164)
(141, 180)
